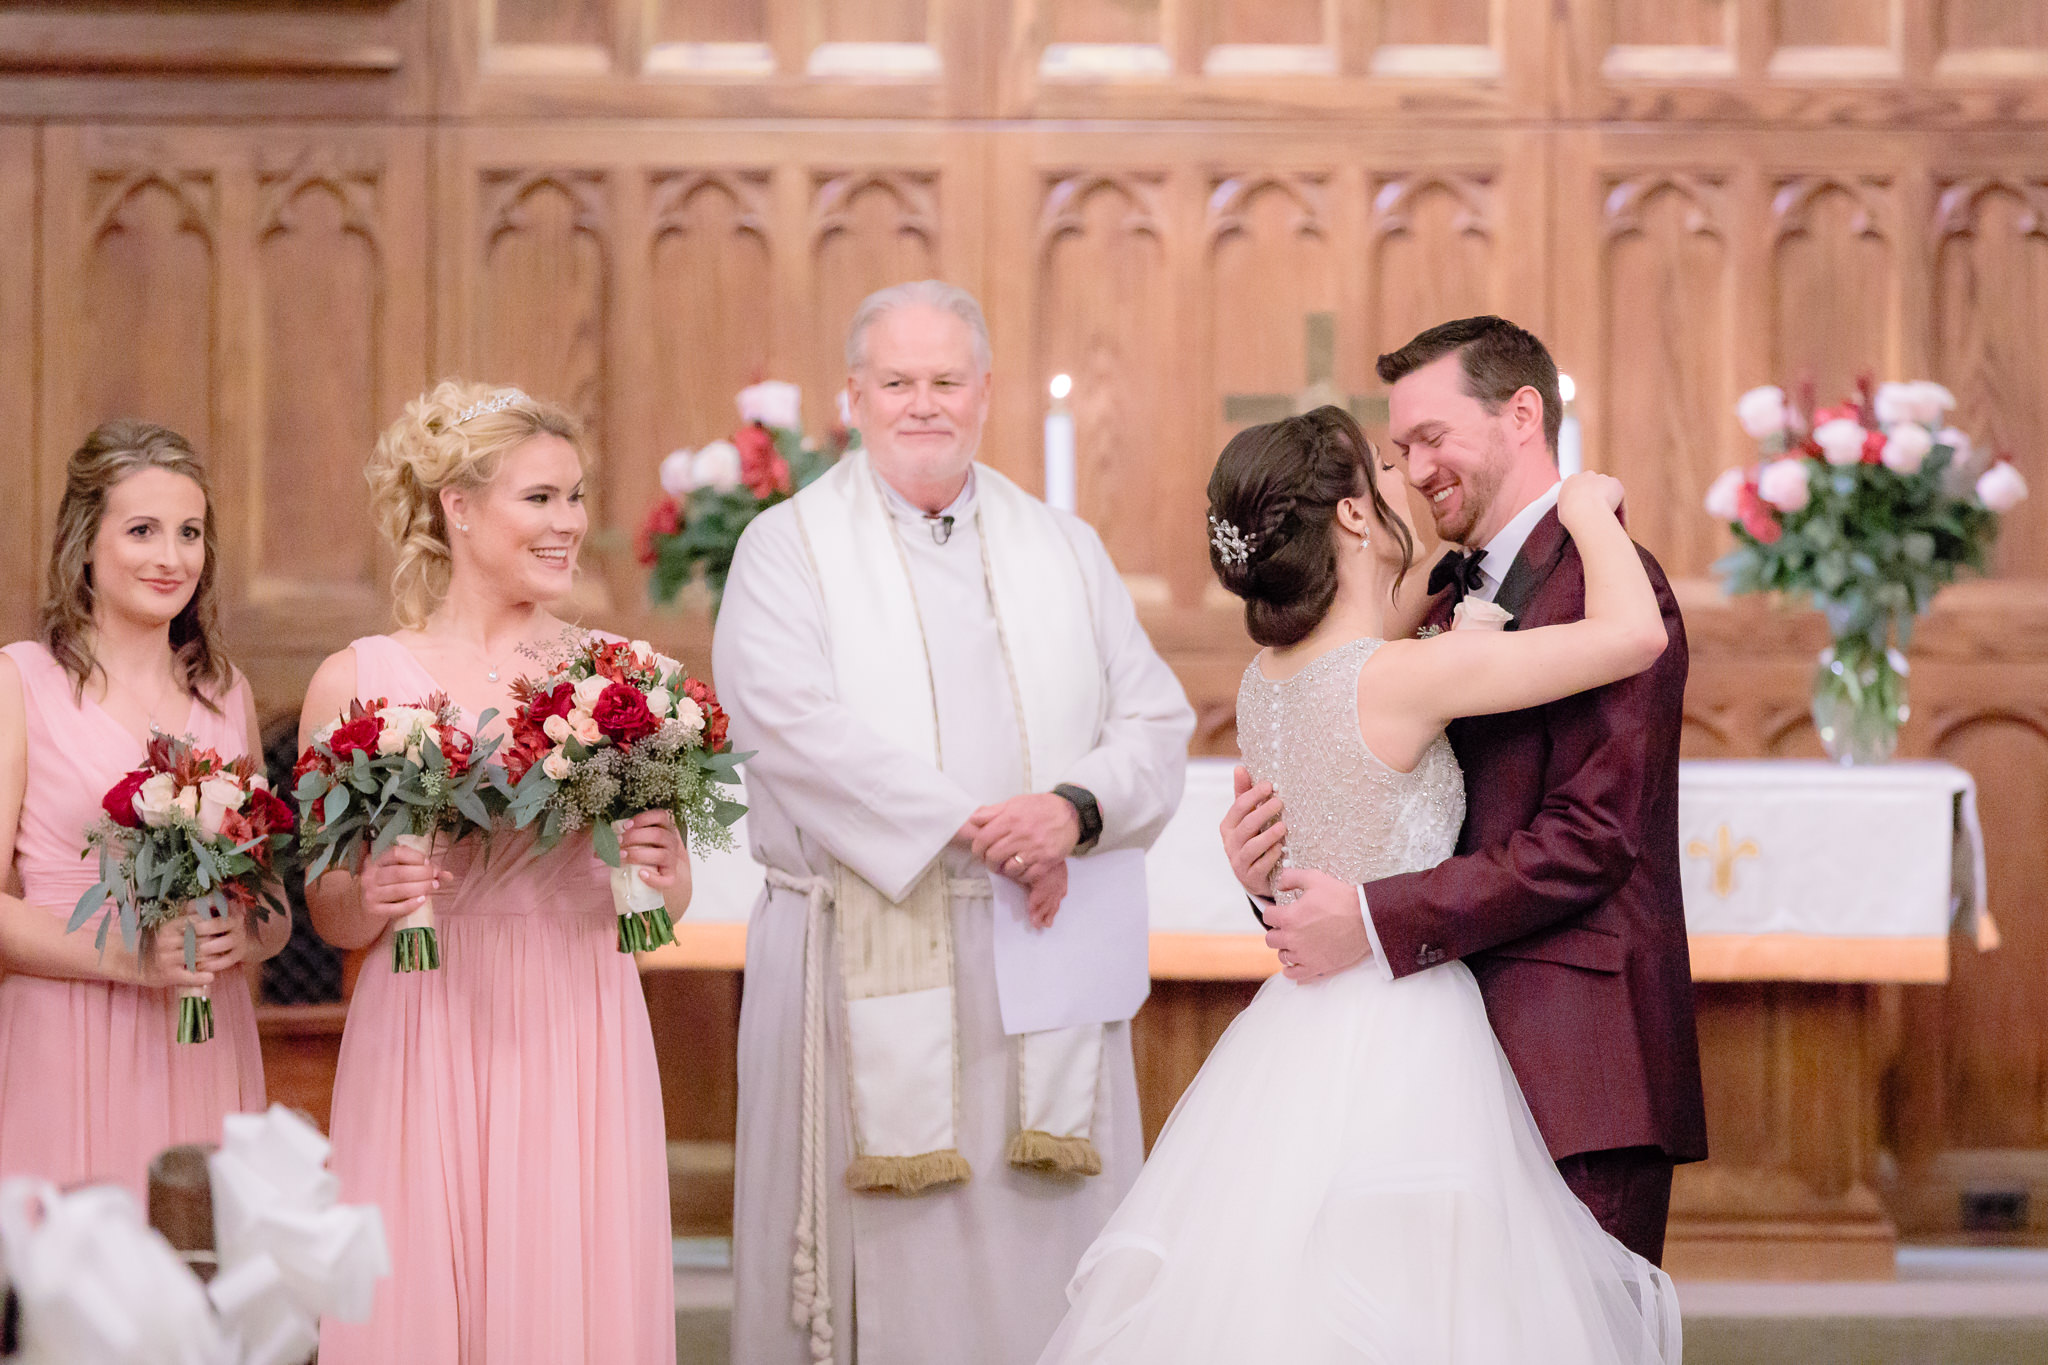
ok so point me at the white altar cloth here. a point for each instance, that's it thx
(1793, 870)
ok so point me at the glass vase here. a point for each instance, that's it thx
(1859, 700)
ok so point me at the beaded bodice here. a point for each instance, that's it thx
(1348, 814)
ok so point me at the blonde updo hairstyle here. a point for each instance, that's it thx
(428, 449)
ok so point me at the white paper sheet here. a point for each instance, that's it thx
(1091, 966)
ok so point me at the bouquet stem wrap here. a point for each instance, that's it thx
(644, 924)
(195, 1014)
(414, 945)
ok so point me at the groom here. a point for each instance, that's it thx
(1563, 897)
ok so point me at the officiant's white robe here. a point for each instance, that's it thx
(976, 1272)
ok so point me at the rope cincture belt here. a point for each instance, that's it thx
(810, 1297)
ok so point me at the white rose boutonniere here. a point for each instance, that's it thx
(1473, 613)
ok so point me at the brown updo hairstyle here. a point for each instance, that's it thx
(427, 450)
(110, 454)
(1279, 485)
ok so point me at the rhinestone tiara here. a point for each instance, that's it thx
(497, 402)
(1232, 546)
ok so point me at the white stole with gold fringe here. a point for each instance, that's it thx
(896, 957)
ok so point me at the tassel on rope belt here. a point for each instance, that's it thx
(810, 1296)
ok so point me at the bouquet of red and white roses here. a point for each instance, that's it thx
(617, 730)
(1869, 508)
(710, 495)
(385, 774)
(186, 831)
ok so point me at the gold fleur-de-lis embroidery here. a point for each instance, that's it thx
(1725, 852)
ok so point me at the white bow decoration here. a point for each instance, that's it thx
(97, 1283)
(289, 1253)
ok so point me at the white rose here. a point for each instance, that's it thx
(396, 734)
(1895, 403)
(678, 476)
(259, 783)
(773, 403)
(155, 799)
(690, 714)
(643, 653)
(1931, 402)
(217, 796)
(187, 800)
(555, 728)
(1474, 613)
(659, 701)
(590, 689)
(1785, 484)
(1906, 447)
(1724, 495)
(1762, 411)
(1841, 440)
(716, 466)
(2000, 488)
(583, 725)
(556, 764)
(1959, 446)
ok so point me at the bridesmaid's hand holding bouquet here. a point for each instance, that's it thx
(186, 835)
(616, 731)
(385, 775)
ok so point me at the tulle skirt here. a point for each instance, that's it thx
(1355, 1176)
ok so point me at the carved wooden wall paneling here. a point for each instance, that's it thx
(264, 295)
(23, 542)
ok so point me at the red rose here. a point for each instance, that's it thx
(664, 519)
(1873, 447)
(359, 735)
(762, 468)
(715, 721)
(1757, 516)
(621, 712)
(456, 746)
(120, 799)
(310, 761)
(555, 702)
(269, 813)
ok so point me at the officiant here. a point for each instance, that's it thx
(948, 695)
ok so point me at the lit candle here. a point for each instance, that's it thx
(1570, 456)
(1059, 447)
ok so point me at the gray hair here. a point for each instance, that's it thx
(937, 294)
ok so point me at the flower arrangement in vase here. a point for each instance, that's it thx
(1867, 508)
(710, 495)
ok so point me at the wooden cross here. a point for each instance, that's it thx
(1243, 409)
(1725, 852)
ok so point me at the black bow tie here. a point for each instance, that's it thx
(1459, 571)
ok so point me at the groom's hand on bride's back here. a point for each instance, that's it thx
(1322, 930)
(1254, 833)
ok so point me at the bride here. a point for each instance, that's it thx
(1354, 1175)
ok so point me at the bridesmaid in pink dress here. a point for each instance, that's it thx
(504, 1111)
(92, 1082)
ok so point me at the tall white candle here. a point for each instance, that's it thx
(1570, 455)
(1059, 447)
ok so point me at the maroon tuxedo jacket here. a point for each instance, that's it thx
(1563, 897)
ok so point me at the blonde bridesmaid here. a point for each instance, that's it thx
(92, 1083)
(504, 1110)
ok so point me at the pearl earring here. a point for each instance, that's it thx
(462, 526)
(1364, 539)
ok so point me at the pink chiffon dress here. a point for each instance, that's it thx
(504, 1112)
(93, 1083)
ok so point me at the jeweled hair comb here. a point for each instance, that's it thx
(1232, 546)
(497, 402)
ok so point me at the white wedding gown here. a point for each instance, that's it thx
(1354, 1175)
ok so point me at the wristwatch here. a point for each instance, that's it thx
(1085, 810)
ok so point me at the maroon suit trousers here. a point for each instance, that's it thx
(1629, 1191)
